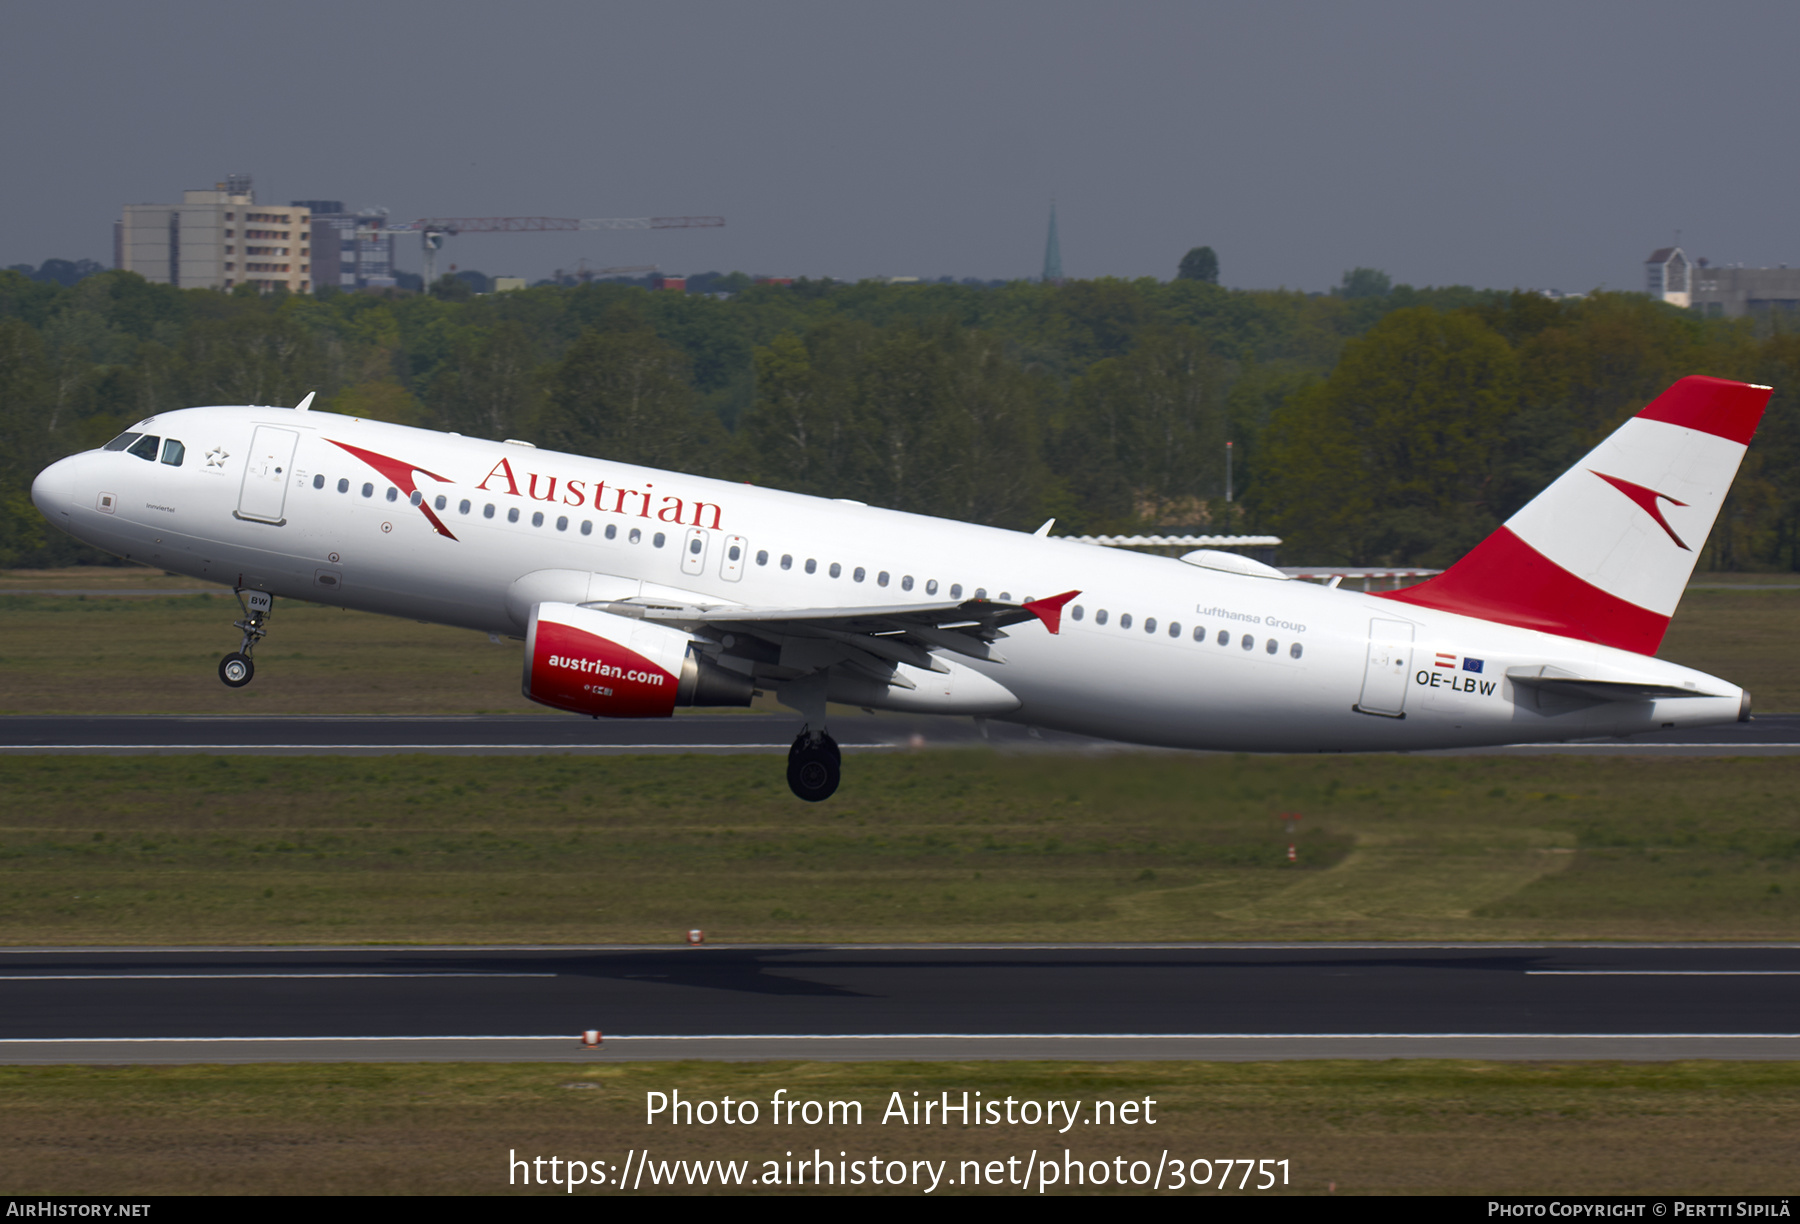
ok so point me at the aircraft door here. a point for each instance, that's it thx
(693, 551)
(263, 495)
(1388, 670)
(731, 568)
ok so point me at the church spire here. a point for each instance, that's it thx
(1053, 273)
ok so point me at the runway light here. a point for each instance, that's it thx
(591, 1039)
(696, 936)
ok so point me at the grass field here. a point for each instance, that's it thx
(1358, 1128)
(159, 654)
(952, 845)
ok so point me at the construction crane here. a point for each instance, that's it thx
(433, 231)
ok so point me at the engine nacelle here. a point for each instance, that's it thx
(592, 662)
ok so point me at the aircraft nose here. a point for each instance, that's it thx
(54, 489)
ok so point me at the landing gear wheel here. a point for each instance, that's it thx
(813, 774)
(236, 670)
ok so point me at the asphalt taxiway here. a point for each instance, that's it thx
(1086, 1001)
(514, 734)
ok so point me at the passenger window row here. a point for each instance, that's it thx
(489, 510)
(1245, 641)
(658, 539)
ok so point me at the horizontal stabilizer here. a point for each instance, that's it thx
(1555, 680)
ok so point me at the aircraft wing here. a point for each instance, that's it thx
(894, 633)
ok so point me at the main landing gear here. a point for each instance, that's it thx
(236, 668)
(814, 765)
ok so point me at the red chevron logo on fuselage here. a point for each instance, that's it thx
(1646, 501)
(400, 474)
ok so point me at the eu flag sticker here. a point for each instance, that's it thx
(1473, 665)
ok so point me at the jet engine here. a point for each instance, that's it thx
(593, 662)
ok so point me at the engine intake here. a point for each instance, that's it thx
(592, 662)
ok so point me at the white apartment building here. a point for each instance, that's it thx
(217, 239)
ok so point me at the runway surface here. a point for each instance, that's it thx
(274, 735)
(918, 1001)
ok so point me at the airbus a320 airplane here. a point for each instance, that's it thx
(637, 590)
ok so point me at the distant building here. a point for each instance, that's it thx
(1666, 276)
(339, 256)
(660, 281)
(217, 239)
(1053, 273)
(1733, 292)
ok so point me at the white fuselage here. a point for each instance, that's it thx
(1279, 665)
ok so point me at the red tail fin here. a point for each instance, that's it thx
(1600, 555)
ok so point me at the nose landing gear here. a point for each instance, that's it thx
(814, 765)
(236, 668)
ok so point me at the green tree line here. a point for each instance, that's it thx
(1377, 424)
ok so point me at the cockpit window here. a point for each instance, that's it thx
(122, 441)
(173, 452)
(145, 447)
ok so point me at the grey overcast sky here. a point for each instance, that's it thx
(1547, 145)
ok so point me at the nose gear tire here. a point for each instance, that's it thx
(236, 670)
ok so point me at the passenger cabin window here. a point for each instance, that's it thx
(487, 511)
(1199, 633)
(1174, 629)
(393, 494)
(762, 556)
(343, 486)
(905, 582)
(1272, 646)
(612, 531)
(174, 452)
(318, 482)
(416, 498)
(1125, 621)
(956, 590)
(368, 490)
(635, 536)
(587, 527)
(931, 586)
(1295, 651)
(562, 522)
(121, 442)
(1078, 613)
(1100, 617)
(836, 569)
(462, 507)
(145, 447)
(658, 539)
(860, 573)
(537, 518)
(694, 546)
(512, 515)
(812, 567)
(441, 501)
(1249, 642)
(787, 561)
(1224, 637)
(1150, 624)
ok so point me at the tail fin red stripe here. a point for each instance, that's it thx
(1506, 580)
(1716, 406)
